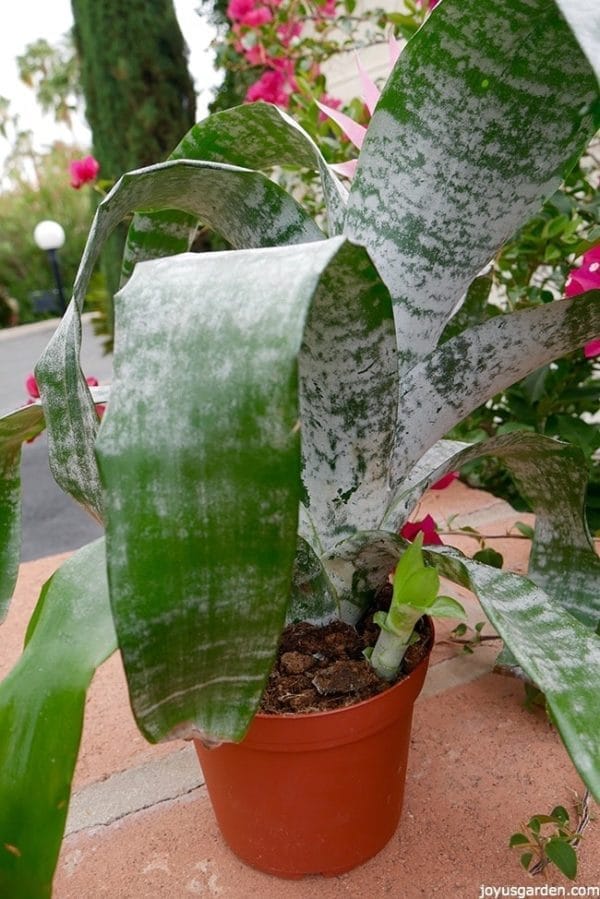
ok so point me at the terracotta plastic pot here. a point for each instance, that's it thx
(315, 793)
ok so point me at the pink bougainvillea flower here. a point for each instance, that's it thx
(248, 13)
(425, 526)
(31, 387)
(257, 17)
(592, 349)
(445, 481)
(328, 8)
(270, 87)
(255, 55)
(586, 277)
(288, 31)
(238, 9)
(82, 171)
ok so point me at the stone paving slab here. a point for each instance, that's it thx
(480, 764)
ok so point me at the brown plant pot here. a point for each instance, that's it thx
(316, 793)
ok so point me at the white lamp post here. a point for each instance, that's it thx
(50, 236)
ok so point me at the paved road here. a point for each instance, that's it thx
(52, 521)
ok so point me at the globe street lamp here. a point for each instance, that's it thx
(50, 236)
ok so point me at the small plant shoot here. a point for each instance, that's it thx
(416, 589)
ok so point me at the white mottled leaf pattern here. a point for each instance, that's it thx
(466, 371)
(583, 17)
(485, 109)
(348, 380)
(256, 136)
(15, 428)
(553, 477)
(242, 205)
(218, 483)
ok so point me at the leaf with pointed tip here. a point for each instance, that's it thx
(553, 477)
(255, 136)
(563, 855)
(583, 17)
(41, 715)
(472, 367)
(242, 205)
(204, 464)
(15, 428)
(313, 598)
(484, 113)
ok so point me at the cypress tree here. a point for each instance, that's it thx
(139, 95)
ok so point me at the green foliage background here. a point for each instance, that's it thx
(23, 267)
(139, 94)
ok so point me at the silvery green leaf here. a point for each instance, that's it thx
(313, 597)
(348, 372)
(553, 477)
(41, 716)
(557, 652)
(15, 428)
(202, 462)
(225, 196)
(466, 371)
(359, 566)
(484, 112)
(255, 136)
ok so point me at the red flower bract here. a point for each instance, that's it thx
(445, 481)
(425, 526)
(31, 387)
(83, 171)
(586, 277)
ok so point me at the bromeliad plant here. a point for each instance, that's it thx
(278, 410)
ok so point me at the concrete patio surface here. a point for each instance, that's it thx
(141, 826)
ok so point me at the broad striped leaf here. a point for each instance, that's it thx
(41, 715)
(558, 653)
(244, 206)
(348, 371)
(202, 469)
(472, 367)
(255, 136)
(313, 597)
(15, 429)
(553, 477)
(484, 107)
(583, 17)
